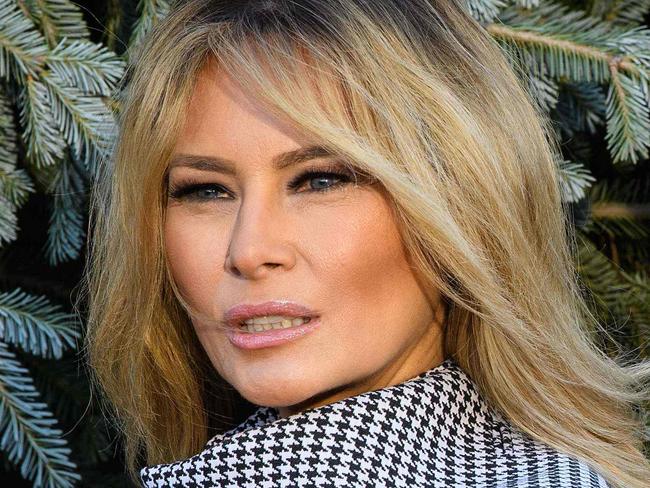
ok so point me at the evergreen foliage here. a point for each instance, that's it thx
(55, 126)
(587, 64)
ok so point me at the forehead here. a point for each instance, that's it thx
(225, 118)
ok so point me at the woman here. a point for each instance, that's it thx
(348, 212)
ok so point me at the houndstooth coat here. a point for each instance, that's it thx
(433, 430)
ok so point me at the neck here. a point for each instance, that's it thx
(425, 353)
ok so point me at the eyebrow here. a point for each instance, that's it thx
(227, 166)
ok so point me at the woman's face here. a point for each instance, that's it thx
(253, 232)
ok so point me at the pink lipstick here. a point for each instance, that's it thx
(255, 326)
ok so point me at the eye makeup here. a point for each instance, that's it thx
(192, 190)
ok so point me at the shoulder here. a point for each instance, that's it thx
(531, 463)
(560, 472)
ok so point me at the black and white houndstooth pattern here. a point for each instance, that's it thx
(433, 430)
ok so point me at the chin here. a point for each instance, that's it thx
(275, 393)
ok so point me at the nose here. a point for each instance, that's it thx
(258, 242)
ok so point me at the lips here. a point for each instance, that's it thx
(234, 316)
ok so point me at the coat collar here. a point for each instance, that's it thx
(445, 385)
(407, 431)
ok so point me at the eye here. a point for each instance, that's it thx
(198, 192)
(321, 178)
(319, 181)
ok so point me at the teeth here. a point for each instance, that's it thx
(268, 319)
(269, 322)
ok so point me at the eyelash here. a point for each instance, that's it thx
(188, 189)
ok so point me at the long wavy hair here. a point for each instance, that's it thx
(417, 94)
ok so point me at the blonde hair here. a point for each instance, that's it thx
(417, 94)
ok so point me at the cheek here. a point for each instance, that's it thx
(195, 254)
(370, 294)
(353, 246)
(360, 258)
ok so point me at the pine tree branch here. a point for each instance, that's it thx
(580, 108)
(613, 210)
(15, 185)
(623, 229)
(613, 296)
(44, 143)
(66, 230)
(57, 19)
(87, 66)
(575, 179)
(545, 90)
(484, 10)
(28, 434)
(35, 325)
(114, 21)
(527, 4)
(620, 12)
(151, 12)
(570, 45)
(618, 211)
(628, 119)
(563, 57)
(65, 387)
(8, 137)
(22, 47)
(63, 97)
(8, 221)
(622, 189)
(82, 119)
